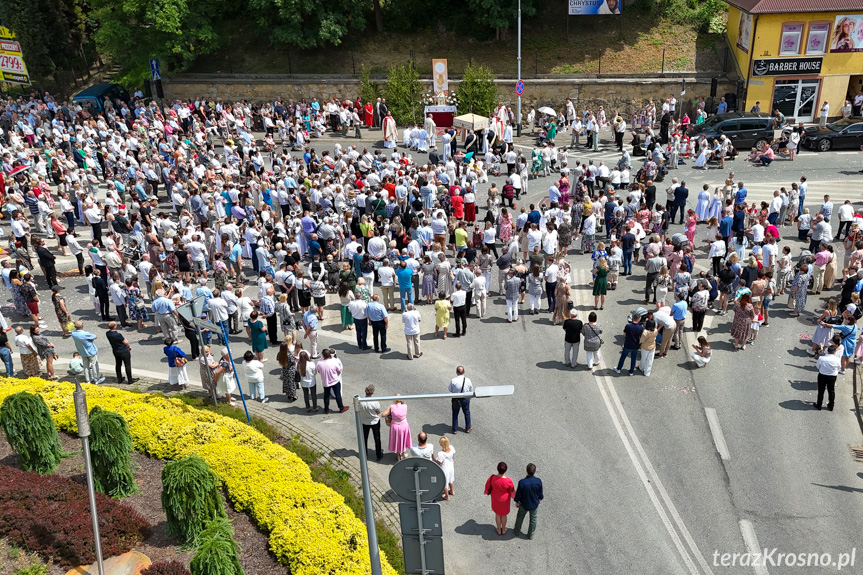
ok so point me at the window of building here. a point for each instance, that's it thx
(791, 39)
(819, 35)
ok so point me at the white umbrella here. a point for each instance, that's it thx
(548, 111)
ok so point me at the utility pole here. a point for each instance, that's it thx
(518, 105)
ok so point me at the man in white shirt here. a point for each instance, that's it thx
(461, 384)
(411, 318)
(829, 366)
(551, 272)
(197, 256)
(219, 310)
(459, 308)
(233, 310)
(386, 275)
(370, 414)
(357, 307)
(377, 247)
(423, 449)
(846, 218)
(118, 298)
(774, 208)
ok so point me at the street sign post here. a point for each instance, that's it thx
(418, 480)
(154, 69)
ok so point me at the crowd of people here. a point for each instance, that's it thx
(163, 203)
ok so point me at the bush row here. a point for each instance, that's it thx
(50, 515)
(311, 529)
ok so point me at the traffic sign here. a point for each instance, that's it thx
(431, 519)
(432, 547)
(431, 479)
(192, 310)
(519, 87)
(203, 324)
(154, 69)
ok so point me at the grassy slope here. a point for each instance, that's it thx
(631, 43)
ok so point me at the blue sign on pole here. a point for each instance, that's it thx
(519, 87)
(154, 69)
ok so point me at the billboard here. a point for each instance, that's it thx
(744, 31)
(12, 67)
(847, 34)
(588, 7)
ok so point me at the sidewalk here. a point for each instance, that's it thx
(386, 506)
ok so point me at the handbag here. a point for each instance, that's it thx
(179, 361)
(488, 491)
(139, 305)
(456, 401)
(388, 420)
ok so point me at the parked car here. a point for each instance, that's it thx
(744, 129)
(96, 94)
(842, 134)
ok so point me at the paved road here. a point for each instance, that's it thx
(633, 476)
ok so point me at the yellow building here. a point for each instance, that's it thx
(796, 54)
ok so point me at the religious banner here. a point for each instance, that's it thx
(12, 67)
(588, 7)
(440, 77)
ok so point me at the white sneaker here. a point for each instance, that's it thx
(265, 400)
(616, 370)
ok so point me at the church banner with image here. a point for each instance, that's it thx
(440, 77)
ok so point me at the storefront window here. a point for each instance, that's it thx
(819, 33)
(791, 35)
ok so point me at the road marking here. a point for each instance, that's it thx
(645, 481)
(651, 482)
(716, 432)
(748, 532)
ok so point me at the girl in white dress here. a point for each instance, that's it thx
(444, 458)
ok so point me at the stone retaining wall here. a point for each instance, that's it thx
(620, 93)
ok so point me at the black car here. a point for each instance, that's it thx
(744, 129)
(842, 134)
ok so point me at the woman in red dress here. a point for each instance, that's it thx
(501, 490)
(370, 115)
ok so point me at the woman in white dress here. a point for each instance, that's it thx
(444, 458)
(703, 156)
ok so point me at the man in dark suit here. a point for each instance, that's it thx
(100, 284)
(471, 143)
(434, 156)
(680, 196)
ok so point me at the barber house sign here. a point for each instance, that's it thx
(786, 66)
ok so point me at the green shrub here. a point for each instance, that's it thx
(707, 15)
(31, 432)
(218, 553)
(237, 413)
(370, 90)
(110, 445)
(476, 92)
(190, 498)
(34, 569)
(403, 92)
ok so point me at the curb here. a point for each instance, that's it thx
(386, 506)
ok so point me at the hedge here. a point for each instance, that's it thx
(50, 515)
(311, 529)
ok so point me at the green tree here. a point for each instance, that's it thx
(499, 14)
(30, 430)
(111, 443)
(403, 92)
(190, 498)
(218, 553)
(476, 91)
(370, 90)
(49, 31)
(175, 31)
(308, 23)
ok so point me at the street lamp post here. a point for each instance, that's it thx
(518, 104)
(371, 528)
(79, 397)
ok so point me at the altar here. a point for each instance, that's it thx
(443, 116)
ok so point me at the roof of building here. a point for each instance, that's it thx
(786, 6)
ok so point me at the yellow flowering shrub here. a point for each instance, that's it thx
(311, 529)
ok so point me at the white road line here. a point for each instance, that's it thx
(645, 481)
(716, 432)
(658, 483)
(748, 532)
